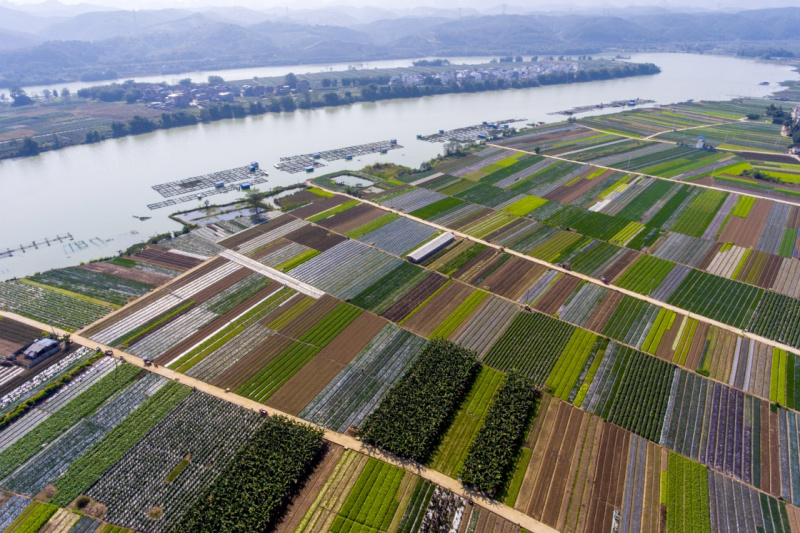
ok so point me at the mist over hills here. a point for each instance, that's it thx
(53, 44)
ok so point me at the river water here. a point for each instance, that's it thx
(95, 191)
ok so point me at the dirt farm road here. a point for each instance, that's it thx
(351, 443)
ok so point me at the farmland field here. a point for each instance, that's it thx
(531, 360)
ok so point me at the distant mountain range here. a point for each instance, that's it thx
(58, 43)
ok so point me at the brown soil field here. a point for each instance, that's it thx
(455, 164)
(476, 264)
(481, 272)
(720, 353)
(225, 283)
(557, 294)
(300, 197)
(315, 237)
(664, 350)
(303, 500)
(547, 138)
(469, 219)
(706, 262)
(604, 311)
(352, 218)
(414, 297)
(773, 471)
(428, 318)
(437, 182)
(216, 324)
(651, 510)
(794, 217)
(242, 237)
(775, 158)
(159, 256)
(746, 231)
(507, 228)
(127, 273)
(553, 454)
(568, 194)
(514, 277)
(609, 478)
(268, 249)
(488, 522)
(767, 278)
(309, 317)
(620, 265)
(309, 381)
(698, 344)
(318, 206)
(17, 332)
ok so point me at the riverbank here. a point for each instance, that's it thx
(67, 121)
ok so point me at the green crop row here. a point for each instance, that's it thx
(639, 398)
(331, 325)
(451, 323)
(278, 371)
(221, 337)
(410, 419)
(33, 518)
(532, 344)
(88, 468)
(645, 274)
(297, 260)
(417, 505)
(371, 504)
(491, 457)
(333, 211)
(429, 211)
(260, 480)
(372, 226)
(572, 361)
(664, 322)
(450, 454)
(57, 424)
(373, 296)
(688, 508)
(526, 205)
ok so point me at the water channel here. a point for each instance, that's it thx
(95, 192)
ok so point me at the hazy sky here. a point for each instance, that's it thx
(513, 5)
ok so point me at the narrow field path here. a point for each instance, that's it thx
(517, 517)
(584, 277)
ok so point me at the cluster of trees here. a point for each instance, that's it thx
(114, 92)
(411, 418)
(259, 482)
(492, 454)
(784, 118)
(758, 175)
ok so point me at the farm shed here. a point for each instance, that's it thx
(430, 248)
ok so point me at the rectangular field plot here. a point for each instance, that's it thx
(759, 136)
(49, 306)
(531, 344)
(352, 395)
(451, 453)
(203, 434)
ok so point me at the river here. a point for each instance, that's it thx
(95, 191)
